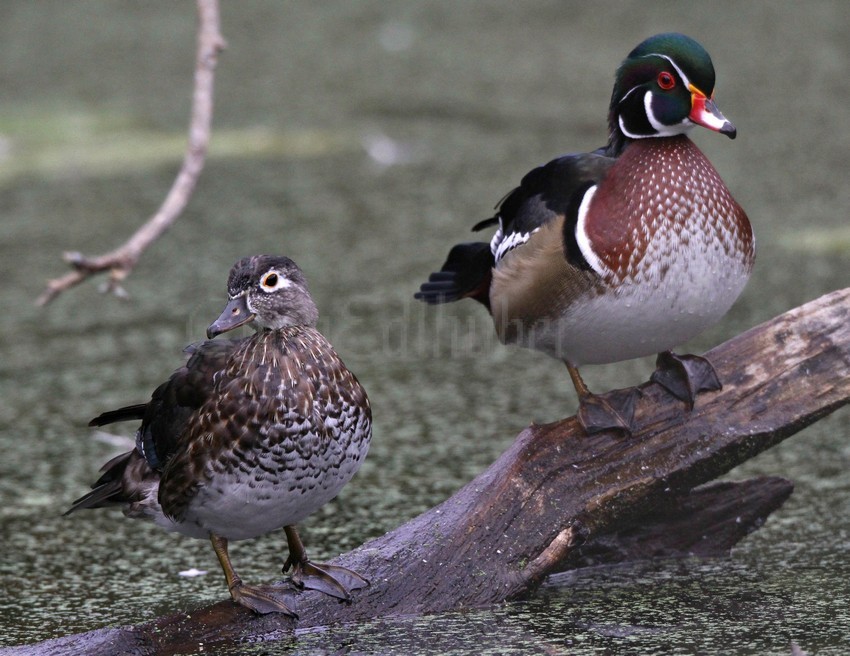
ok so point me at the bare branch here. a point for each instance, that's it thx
(121, 261)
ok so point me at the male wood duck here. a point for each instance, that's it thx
(251, 435)
(623, 252)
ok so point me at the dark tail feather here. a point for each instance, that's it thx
(127, 413)
(465, 274)
(489, 222)
(109, 488)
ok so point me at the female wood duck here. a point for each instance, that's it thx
(250, 436)
(623, 252)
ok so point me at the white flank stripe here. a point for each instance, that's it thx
(581, 234)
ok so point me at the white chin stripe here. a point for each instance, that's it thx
(661, 130)
(630, 135)
(582, 239)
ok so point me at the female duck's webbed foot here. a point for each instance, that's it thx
(332, 580)
(261, 599)
(685, 376)
(614, 410)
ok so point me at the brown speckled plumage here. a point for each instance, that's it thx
(272, 385)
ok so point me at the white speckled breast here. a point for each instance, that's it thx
(282, 485)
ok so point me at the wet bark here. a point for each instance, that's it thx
(558, 500)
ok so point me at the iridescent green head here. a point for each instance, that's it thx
(663, 88)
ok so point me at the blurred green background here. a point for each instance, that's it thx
(363, 139)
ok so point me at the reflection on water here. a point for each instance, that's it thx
(463, 98)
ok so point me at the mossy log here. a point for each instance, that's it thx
(558, 500)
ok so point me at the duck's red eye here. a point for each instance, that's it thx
(666, 80)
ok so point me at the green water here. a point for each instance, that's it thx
(363, 139)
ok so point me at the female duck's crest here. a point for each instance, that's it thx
(268, 292)
(663, 88)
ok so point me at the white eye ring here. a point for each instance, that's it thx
(273, 280)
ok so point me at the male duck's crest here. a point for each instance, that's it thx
(663, 88)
